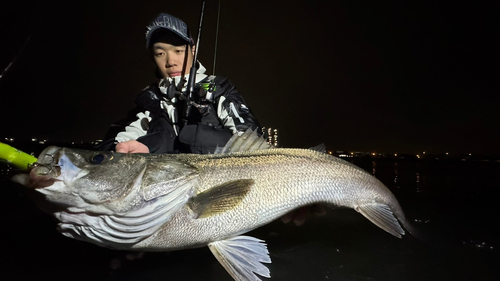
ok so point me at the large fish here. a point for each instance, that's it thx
(166, 202)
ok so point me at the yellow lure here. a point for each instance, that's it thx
(16, 157)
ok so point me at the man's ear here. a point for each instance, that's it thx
(193, 49)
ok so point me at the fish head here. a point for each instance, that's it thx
(84, 179)
(106, 182)
(107, 198)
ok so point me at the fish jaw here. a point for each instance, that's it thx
(42, 173)
(52, 165)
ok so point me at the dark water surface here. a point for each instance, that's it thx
(454, 203)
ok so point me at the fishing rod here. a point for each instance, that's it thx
(192, 72)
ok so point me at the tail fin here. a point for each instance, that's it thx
(382, 216)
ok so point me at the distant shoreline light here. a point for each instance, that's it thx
(274, 133)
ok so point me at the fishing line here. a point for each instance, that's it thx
(22, 49)
(15, 57)
(216, 38)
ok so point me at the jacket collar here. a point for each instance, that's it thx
(165, 82)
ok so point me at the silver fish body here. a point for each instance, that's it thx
(283, 180)
(170, 202)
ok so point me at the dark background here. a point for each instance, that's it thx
(382, 76)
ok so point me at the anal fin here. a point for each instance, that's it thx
(242, 257)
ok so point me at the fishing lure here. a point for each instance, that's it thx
(16, 157)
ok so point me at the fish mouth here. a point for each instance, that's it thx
(47, 169)
(54, 169)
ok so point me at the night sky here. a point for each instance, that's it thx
(385, 76)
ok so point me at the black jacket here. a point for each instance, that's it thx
(207, 126)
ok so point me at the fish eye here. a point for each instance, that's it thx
(97, 159)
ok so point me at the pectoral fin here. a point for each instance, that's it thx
(242, 257)
(220, 198)
(382, 216)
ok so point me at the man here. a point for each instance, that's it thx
(168, 121)
(162, 125)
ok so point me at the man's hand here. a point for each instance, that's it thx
(131, 146)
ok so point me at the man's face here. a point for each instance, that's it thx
(170, 58)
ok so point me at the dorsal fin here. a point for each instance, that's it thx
(248, 141)
(320, 148)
